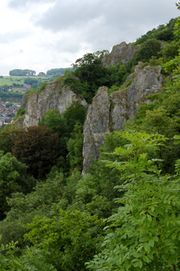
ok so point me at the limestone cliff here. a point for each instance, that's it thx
(122, 52)
(109, 112)
(96, 125)
(54, 96)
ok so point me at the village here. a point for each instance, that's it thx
(7, 111)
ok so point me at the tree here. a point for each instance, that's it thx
(143, 233)
(54, 121)
(70, 237)
(23, 207)
(7, 135)
(148, 49)
(89, 68)
(12, 179)
(38, 148)
(41, 74)
(75, 114)
(74, 146)
(19, 72)
(33, 82)
(31, 259)
(89, 74)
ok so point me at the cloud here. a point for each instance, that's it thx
(70, 14)
(23, 3)
(12, 36)
(104, 22)
(41, 34)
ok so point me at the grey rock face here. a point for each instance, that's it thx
(54, 96)
(146, 80)
(122, 52)
(96, 126)
(119, 109)
(110, 112)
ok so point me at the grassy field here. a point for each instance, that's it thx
(10, 80)
(12, 88)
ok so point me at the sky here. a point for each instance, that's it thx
(45, 34)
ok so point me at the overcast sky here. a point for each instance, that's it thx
(44, 34)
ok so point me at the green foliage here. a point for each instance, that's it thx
(170, 50)
(21, 111)
(113, 88)
(161, 115)
(128, 202)
(37, 147)
(134, 157)
(90, 74)
(12, 179)
(90, 69)
(74, 147)
(24, 207)
(172, 66)
(176, 28)
(7, 135)
(64, 124)
(33, 82)
(117, 74)
(11, 81)
(69, 128)
(57, 72)
(69, 236)
(30, 260)
(89, 196)
(76, 85)
(143, 234)
(19, 72)
(148, 49)
(76, 113)
(54, 121)
(163, 32)
(160, 44)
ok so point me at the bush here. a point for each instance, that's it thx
(148, 49)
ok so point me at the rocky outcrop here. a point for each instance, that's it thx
(106, 113)
(96, 126)
(146, 80)
(54, 96)
(119, 109)
(110, 112)
(122, 52)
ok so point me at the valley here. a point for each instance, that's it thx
(90, 157)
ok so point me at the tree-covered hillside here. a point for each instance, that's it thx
(123, 214)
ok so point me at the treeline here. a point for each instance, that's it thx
(31, 73)
(19, 72)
